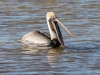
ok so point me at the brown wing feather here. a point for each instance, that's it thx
(36, 39)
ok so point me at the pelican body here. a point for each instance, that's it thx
(38, 39)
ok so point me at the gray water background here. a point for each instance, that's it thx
(82, 57)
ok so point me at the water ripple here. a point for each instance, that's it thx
(82, 57)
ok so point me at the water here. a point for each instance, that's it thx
(82, 57)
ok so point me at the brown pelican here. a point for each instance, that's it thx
(38, 39)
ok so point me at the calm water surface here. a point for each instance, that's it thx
(82, 57)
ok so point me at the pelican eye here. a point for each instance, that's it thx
(53, 19)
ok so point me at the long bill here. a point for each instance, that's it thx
(58, 33)
(64, 27)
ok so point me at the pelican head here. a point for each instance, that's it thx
(50, 15)
(54, 30)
